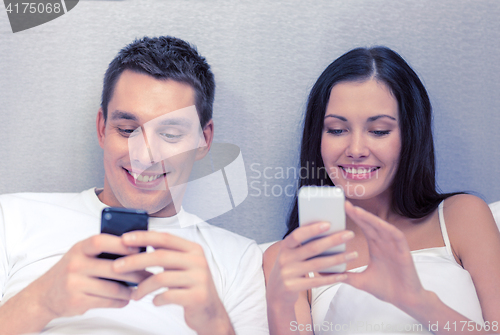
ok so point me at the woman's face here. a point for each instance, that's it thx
(361, 140)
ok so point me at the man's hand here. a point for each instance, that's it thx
(187, 278)
(71, 287)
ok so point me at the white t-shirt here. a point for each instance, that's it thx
(36, 229)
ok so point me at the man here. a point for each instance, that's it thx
(155, 121)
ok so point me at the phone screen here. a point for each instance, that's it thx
(117, 221)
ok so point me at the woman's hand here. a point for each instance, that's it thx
(293, 262)
(286, 265)
(390, 275)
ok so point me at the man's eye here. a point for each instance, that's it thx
(335, 131)
(380, 132)
(170, 137)
(126, 132)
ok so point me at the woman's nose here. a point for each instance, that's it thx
(357, 147)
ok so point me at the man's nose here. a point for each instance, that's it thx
(139, 151)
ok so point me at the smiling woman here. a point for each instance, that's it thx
(361, 140)
(410, 250)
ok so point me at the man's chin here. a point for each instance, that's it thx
(154, 207)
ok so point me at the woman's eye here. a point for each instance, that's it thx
(335, 131)
(380, 132)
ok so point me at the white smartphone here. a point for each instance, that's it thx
(324, 203)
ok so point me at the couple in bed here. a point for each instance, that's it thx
(368, 123)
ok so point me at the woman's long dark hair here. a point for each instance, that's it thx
(414, 185)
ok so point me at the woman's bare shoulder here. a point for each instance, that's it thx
(467, 210)
(469, 222)
(475, 237)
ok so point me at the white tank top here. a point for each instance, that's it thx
(343, 309)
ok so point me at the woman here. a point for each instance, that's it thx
(416, 259)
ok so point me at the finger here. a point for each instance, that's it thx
(103, 268)
(376, 229)
(100, 302)
(369, 220)
(157, 240)
(182, 297)
(130, 277)
(106, 289)
(303, 233)
(97, 244)
(82, 303)
(322, 244)
(169, 260)
(306, 283)
(355, 213)
(371, 225)
(166, 279)
(356, 279)
(320, 263)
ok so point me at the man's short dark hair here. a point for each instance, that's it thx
(164, 57)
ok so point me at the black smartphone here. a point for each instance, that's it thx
(117, 221)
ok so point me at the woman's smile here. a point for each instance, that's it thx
(361, 140)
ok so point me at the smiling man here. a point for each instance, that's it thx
(154, 123)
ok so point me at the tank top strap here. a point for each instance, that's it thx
(444, 232)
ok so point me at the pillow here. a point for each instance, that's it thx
(495, 209)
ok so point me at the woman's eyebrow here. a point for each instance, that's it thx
(376, 117)
(370, 119)
(341, 118)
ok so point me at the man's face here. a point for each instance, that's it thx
(151, 138)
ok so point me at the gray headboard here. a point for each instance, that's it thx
(265, 55)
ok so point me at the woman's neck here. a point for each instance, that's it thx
(380, 206)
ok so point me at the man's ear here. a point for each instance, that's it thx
(208, 135)
(100, 124)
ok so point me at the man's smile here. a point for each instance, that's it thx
(145, 179)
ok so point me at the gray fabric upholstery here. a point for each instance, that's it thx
(265, 55)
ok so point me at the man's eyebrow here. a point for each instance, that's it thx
(341, 118)
(376, 117)
(176, 122)
(118, 115)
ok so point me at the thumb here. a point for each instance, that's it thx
(356, 280)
